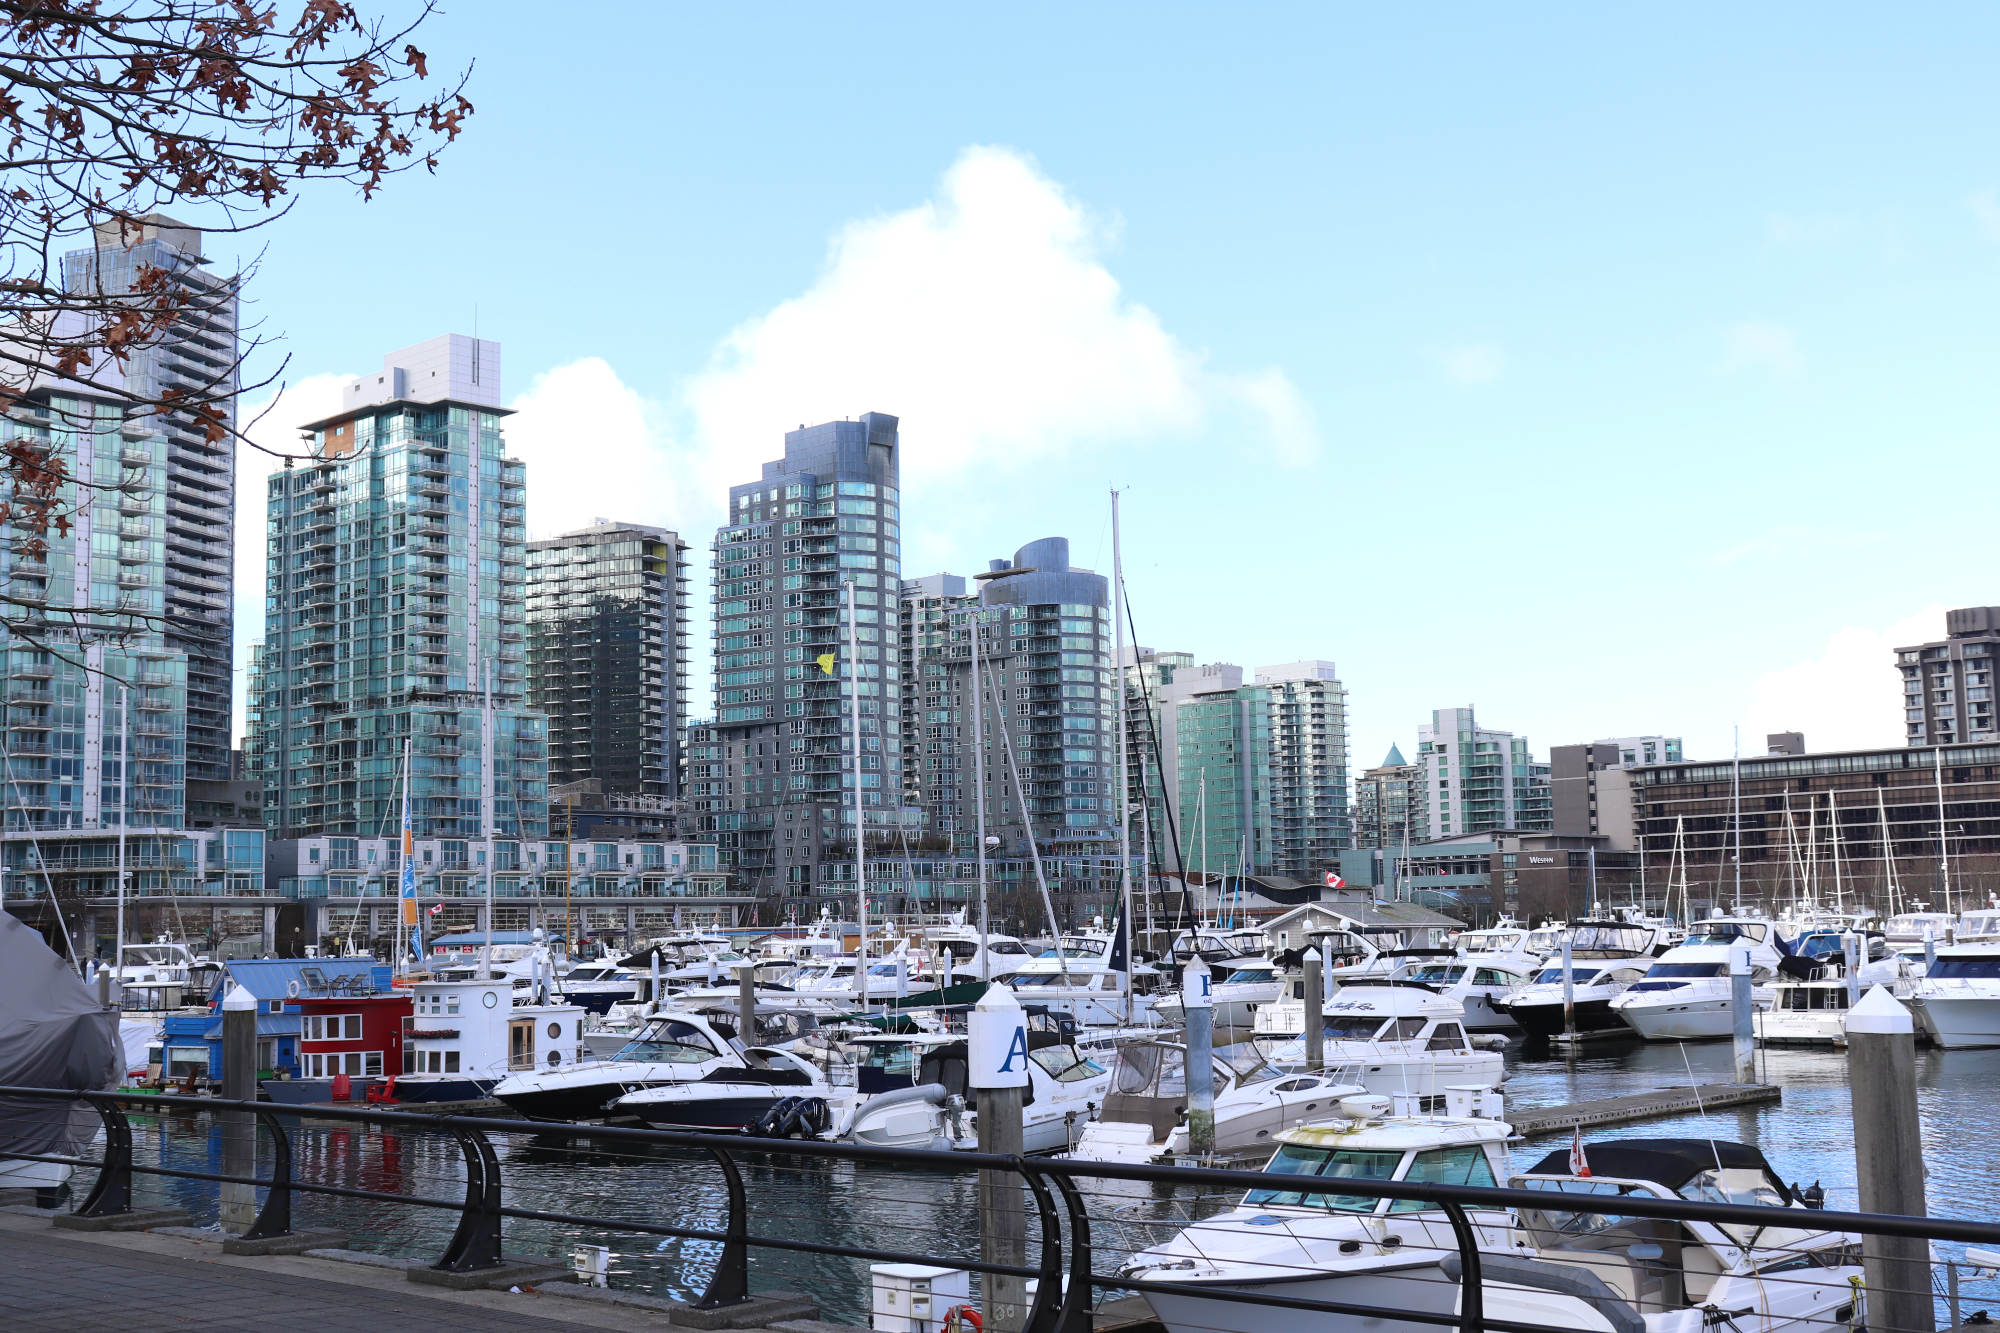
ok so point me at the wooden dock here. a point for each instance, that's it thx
(1532, 1122)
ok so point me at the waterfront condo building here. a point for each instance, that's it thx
(1590, 785)
(1049, 717)
(1948, 684)
(197, 525)
(1262, 772)
(396, 598)
(94, 725)
(1475, 779)
(1382, 800)
(825, 515)
(608, 655)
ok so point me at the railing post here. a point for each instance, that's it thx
(1471, 1295)
(112, 1194)
(476, 1242)
(1042, 1311)
(731, 1283)
(274, 1219)
(1074, 1317)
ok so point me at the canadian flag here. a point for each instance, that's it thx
(1334, 881)
(435, 908)
(1579, 1165)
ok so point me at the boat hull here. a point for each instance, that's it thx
(1546, 1020)
(1419, 1289)
(421, 1090)
(1960, 1023)
(580, 1101)
(736, 1111)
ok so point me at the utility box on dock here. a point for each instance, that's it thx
(913, 1298)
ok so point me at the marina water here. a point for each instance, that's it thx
(1809, 1137)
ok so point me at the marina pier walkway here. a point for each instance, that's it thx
(74, 1282)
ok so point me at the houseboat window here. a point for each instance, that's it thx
(274, 1006)
(555, 1029)
(1345, 1164)
(187, 1062)
(1444, 1166)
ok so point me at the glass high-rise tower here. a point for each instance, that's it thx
(826, 514)
(396, 594)
(197, 522)
(608, 655)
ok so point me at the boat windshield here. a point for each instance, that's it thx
(669, 1043)
(1066, 1064)
(1357, 1028)
(1668, 971)
(1327, 1165)
(1552, 976)
(1725, 932)
(1964, 967)
(1249, 976)
(1008, 947)
(1438, 974)
(1075, 949)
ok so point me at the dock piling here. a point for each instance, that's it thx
(1314, 1002)
(1198, 1003)
(1743, 1009)
(997, 1072)
(1889, 1160)
(239, 1128)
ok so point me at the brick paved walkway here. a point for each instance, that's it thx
(50, 1281)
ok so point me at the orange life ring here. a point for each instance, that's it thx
(963, 1319)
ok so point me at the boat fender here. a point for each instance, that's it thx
(963, 1319)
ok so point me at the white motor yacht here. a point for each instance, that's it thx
(1076, 977)
(1247, 986)
(1477, 985)
(1809, 1000)
(595, 986)
(1316, 1241)
(1913, 928)
(1549, 1266)
(1686, 993)
(1144, 1116)
(1216, 945)
(1536, 1006)
(1391, 1037)
(1957, 1001)
(676, 1047)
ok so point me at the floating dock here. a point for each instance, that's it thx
(1533, 1121)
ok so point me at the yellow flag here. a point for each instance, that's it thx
(826, 663)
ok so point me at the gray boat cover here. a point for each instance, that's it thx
(53, 1034)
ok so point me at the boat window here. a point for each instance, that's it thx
(1448, 1037)
(1964, 967)
(1248, 976)
(1353, 1027)
(1444, 1166)
(1556, 1227)
(1065, 1064)
(1328, 1165)
(1669, 971)
(1437, 974)
(1726, 932)
(1552, 976)
(1007, 946)
(1743, 1185)
(1487, 976)
(669, 1043)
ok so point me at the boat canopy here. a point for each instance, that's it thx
(1669, 1162)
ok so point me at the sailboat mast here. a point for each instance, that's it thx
(486, 815)
(1833, 848)
(1892, 897)
(1124, 758)
(1736, 810)
(1944, 847)
(860, 829)
(979, 792)
(124, 814)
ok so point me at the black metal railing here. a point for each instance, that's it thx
(1063, 1265)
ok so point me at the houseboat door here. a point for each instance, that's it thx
(521, 1043)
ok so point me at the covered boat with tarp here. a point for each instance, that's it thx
(53, 1034)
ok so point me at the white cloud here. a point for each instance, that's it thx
(1986, 211)
(986, 320)
(594, 447)
(1760, 345)
(1848, 697)
(1476, 363)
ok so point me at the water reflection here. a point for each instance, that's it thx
(1808, 1137)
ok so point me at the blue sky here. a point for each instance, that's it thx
(1613, 372)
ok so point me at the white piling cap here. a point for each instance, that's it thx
(1879, 1011)
(997, 996)
(239, 1000)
